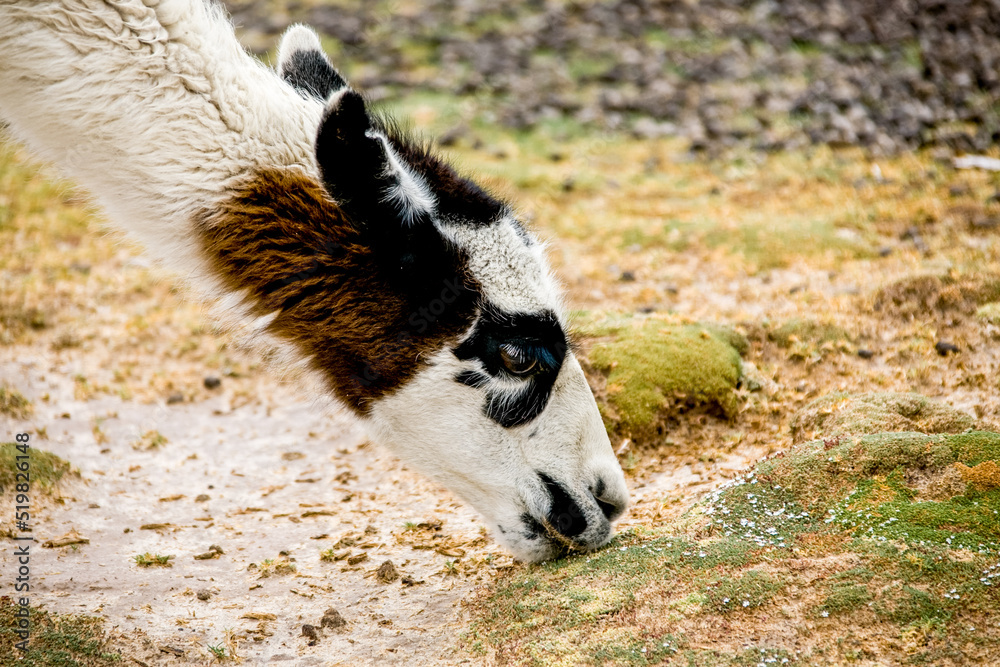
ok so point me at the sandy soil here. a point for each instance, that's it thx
(276, 476)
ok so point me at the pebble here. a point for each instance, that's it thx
(310, 632)
(944, 347)
(204, 594)
(387, 572)
(332, 619)
(865, 353)
(212, 382)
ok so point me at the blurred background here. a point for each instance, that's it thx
(769, 74)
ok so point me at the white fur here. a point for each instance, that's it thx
(155, 108)
(514, 275)
(297, 38)
(411, 194)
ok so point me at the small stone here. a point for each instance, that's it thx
(204, 594)
(175, 398)
(212, 382)
(627, 277)
(359, 558)
(944, 347)
(309, 631)
(865, 353)
(387, 572)
(332, 619)
(202, 497)
(884, 251)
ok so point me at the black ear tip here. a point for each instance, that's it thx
(349, 114)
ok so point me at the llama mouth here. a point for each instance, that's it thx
(567, 527)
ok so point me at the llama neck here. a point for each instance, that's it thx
(153, 107)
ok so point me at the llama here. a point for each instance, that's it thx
(418, 299)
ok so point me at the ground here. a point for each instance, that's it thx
(827, 295)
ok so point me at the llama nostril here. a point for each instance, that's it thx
(611, 509)
(565, 516)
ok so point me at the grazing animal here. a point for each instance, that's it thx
(420, 301)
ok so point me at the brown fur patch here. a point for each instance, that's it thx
(366, 329)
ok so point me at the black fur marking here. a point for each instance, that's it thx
(311, 74)
(535, 528)
(458, 198)
(473, 379)
(541, 336)
(564, 514)
(356, 173)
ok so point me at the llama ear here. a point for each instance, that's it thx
(358, 173)
(354, 165)
(302, 63)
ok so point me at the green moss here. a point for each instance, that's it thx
(989, 313)
(919, 554)
(841, 414)
(64, 641)
(913, 605)
(45, 468)
(846, 598)
(975, 447)
(807, 330)
(13, 404)
(896, 486)
(652, 365)
(749, 591)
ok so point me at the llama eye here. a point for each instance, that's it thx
(516, 361)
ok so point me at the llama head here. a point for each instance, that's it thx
(430, 310)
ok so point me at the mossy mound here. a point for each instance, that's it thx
(650, 366)
(908, 487)
(928, 295)
(807, 331)
(841, 414)
(45, 468)
(884, 547)
(56, 640)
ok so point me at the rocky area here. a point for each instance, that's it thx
(770, 74)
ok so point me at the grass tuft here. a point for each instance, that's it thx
(45, 468)
(153, 560)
